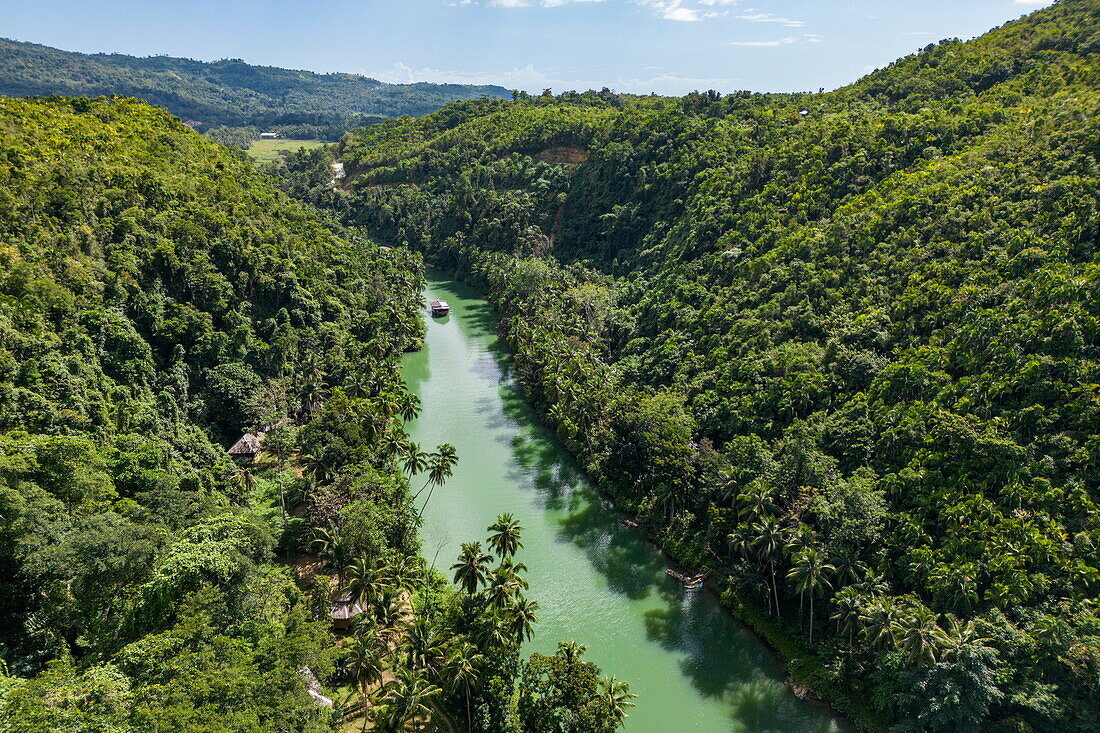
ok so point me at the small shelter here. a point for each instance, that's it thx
(249, 446)
(343, 609)
(270, 136)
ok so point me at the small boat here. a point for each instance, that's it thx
(439, 308)
(628, 523)
(691, 582)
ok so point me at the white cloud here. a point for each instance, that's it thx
(680, 10)
(766, 44)
(1034, 2)
(786, 41)
(755, 17)
(526, 77)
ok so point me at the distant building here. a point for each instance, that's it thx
(249, 446)
(192, 123)
(270, 136)
(343, 609)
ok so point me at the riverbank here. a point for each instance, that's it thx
(693, 665)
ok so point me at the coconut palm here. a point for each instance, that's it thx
(406, 699)
(414, 460)
(365, 661)
(329, 545)
(403, 573)
(244, 479)
(472, 567)
(440, 468)
(571, 651)
(505, 539)
(810, 574)
(617, 696)
(503, 584)
(755, 502)
(364, 581)
(461, 673)
(880, 619)
(521, 618)
(408, 406)
(317, 467)
(770, 542)
(424, 649)
(920, 636)
(849, 608)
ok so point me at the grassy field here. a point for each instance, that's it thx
(265, 151)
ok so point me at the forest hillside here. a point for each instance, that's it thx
(226, 92)
(840, 349)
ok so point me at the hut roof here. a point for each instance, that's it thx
(250, 444)
(343, 608)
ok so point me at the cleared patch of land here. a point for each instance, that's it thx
(266, 151)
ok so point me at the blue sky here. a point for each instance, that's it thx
(663, 46)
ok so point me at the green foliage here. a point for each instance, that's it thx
(564, 693)
(158, 297)
(856, 348)
(226, 92)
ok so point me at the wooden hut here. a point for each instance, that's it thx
(343, 609)
(249, 446)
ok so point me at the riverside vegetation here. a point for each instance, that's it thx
(157, 297)
(840, 349)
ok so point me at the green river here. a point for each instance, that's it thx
(693, 666)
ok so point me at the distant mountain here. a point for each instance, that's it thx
(227, 92)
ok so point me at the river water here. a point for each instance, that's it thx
(693, 666)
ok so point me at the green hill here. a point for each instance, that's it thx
(227, 92)
(159, 297)
(841, 349)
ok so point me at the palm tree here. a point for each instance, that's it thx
(503, 584)
(617, 696)
(505, 539)
(244, 479)
(771, 539)
(440, 468)
(848, 569)
(849, 609)
(406, 699)
(423, 648)
(755, 502)
(811, 575)
(521, 619)
(364, 581)
(409, 406)
(404, 572)
(329, 545)
(471, 568)
(318, 467)
(880, 621)
(359, 385)
(364, 661)
(415, 460)
(462, 675)
(571, 651)
(920, 636)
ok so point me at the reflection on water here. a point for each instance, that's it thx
(693, 665)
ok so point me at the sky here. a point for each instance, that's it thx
(638, 46)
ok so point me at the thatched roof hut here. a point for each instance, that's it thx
(343, 610)
(250, 444)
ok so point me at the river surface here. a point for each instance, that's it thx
(693, 666)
